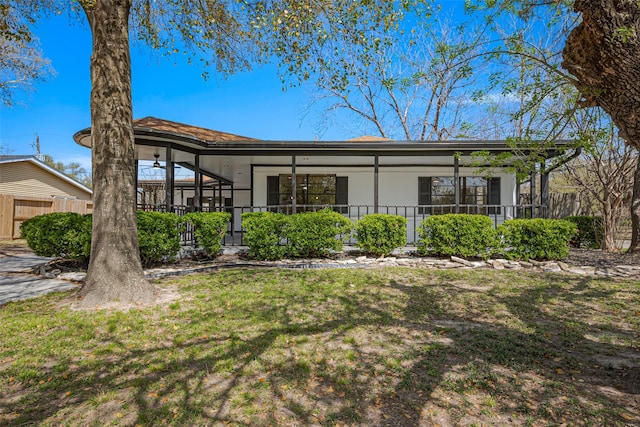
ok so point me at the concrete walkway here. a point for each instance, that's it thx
(17, 281)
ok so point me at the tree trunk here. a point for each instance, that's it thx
(635, 210)
(603, 53)
(610, 228)
(115, 272)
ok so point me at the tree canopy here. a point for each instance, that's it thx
(21, 61)
(226, 35)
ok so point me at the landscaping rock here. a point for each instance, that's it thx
(551, 267)
(450, 265)
(77, 277)
(461, 261)
(356, 260)
(576, 270)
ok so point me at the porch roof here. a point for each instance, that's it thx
(230, 157)
(151, 131)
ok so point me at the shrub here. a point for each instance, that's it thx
(315, 234)
(158, 236)
(457, 234)
(68, 235)
(264, 234)
(59, 234)
(590, 231)
(380, 234)
(536, 238)
(209, 229)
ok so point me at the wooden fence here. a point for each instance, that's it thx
(15, 209)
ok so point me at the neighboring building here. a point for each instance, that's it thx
(356, 177)
(29, 177)
(30, 187)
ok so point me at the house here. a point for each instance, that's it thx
(30, 187)
(365, 175)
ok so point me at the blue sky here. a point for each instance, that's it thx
(251, 103)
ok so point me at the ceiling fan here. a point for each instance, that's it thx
(156, 164)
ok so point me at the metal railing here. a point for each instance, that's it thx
(414, 215)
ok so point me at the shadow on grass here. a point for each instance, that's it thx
(364, 358)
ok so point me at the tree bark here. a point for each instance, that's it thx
(610, 226)
(115, 272)
(603, 53)
(635, 210)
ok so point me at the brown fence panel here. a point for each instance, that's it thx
(565, 204)
(28, 207)
(6, 217)
(16, 209)
(71, 205)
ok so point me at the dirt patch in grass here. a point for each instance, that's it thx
(600, 259)
(165, 295)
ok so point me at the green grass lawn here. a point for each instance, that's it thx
(397, 346)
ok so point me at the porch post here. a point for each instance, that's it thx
(294, 195)
(232, 210)
(544, 191)
(456, 182)
(221, 200)
(517, 213)
(169, 180)
(135, 181)
(376, 183)
(197, 184)
(534, 197)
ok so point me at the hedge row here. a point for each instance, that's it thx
(316, 234)
(273, 235)
(474, 235)
(311, 234)
(68, 235)
(459, 235)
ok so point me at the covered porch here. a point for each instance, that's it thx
(207, 170)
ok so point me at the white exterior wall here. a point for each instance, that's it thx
(398, 186)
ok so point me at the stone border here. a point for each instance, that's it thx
(234, 261)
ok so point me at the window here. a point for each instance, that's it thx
(475, 194)
(310, 190)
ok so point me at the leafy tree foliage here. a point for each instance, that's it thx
(74, 169)
(601, 53)
(21, 61)
(226, 35)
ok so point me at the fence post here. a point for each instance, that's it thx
(6, 216)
